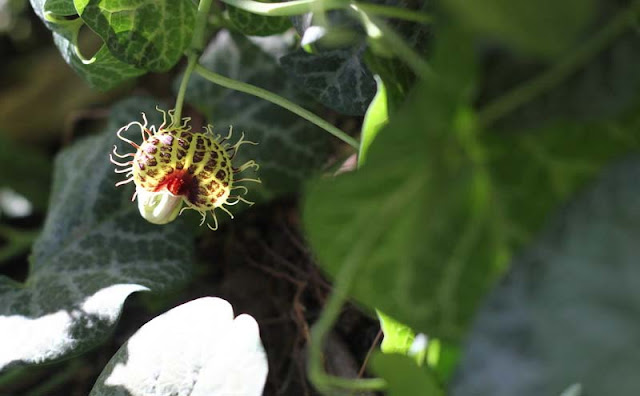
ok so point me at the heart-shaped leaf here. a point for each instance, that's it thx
(196, 349)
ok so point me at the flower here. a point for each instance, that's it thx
(174, 166)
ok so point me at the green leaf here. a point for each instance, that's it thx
(544, 28)
(25, 170)
(551, 164)
(103, 70)
(604, 87)
(377, 117)
(412, 220)
(397, 336)
(60, 7)
(417, 219)
(203, 350)
(432, 217)
(289, 148)
(404, 378)
(567, 312)
(337, 78)
(149, 34)
(257, 25)
(93, 252)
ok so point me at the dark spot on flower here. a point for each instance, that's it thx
(198, 156)
(187, 135)
(183, 143)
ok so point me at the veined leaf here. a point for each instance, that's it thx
(338, 78)
(94, 251)
(103, 70)
(148, 34)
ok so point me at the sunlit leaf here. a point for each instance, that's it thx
(397, 336)
(196, 349)
(150, 35)
(103, 70)
(377, 116)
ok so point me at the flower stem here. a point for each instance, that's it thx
(288, 8)
(278, 100)
(297, 7)
(198, 38)
(397, 45)
(197, 44)
(192, 61)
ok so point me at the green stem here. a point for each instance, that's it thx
(288, 8)
(343, 281)
(297, 7)
(192, 60)
(197, 44)
(563, 69)
(276, 99)
(394, 42)
(198, 38)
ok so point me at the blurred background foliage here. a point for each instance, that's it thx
(467, 184)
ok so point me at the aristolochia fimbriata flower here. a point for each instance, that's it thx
(175, 169)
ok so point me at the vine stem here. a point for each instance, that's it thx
(297, 7)
(563, 69)
(378, 29)
(197, 44)
(192, 60)
(344, 279)
(278, 100)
